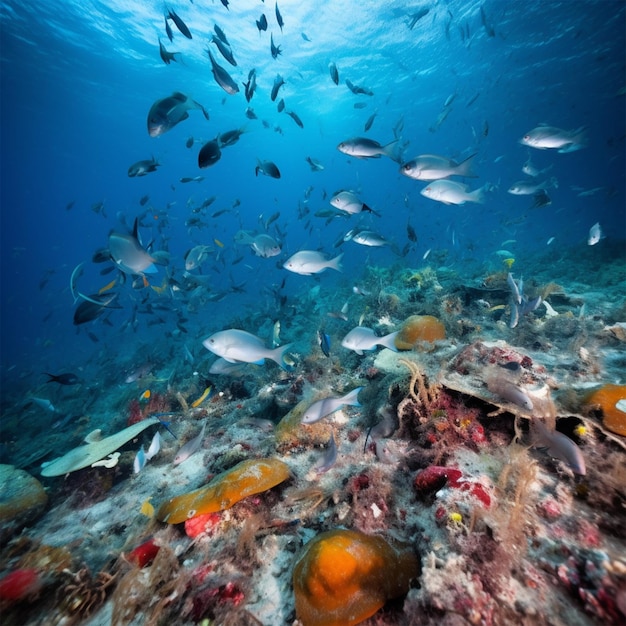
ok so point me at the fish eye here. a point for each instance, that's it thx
(406, 167)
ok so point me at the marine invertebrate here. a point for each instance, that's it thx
(20, 584)
(417, 329)
(342, 577)
(226, 489)
(611, 401)
(83, 593)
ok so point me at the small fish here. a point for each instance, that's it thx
(295, 118)
(350, 203)
(325, 407)
(324, 342)
(279, 17)
(369, 238)
(168, 30)
(307, 262)
(531, 187)
(552, 138)
(276, 334)
(222, 77)
(145, 396)
(358, 89)
(63, 379)
(209, 154)
(240, 346)
(305, 37)
(315, 165)
(261, 23)
(142, 168)
(143, 200)
(190, 448)
(330, 457)
(369, 122)
(146, 508)
(451, 192)
(155, 446)
(166, 57)
(434, 167)
(362, 339)
(550, 241)
(364, 148)
(334, 74)
(268, 168)
(224, 49)
(410, 233)
(182, 27)
(595, 234)
(205, 394)
(278, 83)
(107, 287)
(218, 243)
(220, 33)
(559, 446)
(140, 460)
(275, 50)
(44, 403)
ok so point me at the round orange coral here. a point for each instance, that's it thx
(607, 399)
(419, 328)
(342, 577)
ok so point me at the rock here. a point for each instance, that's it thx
(22, 500)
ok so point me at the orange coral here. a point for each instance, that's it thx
(606, 398)
(342, 577)
(225, 490)
(419, 328)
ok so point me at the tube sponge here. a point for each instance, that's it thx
(225, 490)
(342, 577)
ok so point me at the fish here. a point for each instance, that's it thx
(278, 83)
(358, 89)
(541, 199)
(334, 74)
(268, 168)
(89, 310)
(595, 234)
(222, 77)
(552, 138)
(531, 170)
(314, 164)
(363, 339)
(279, 17)
(165, 113)
(531, 187)
(305, 37)
(324, 342)
(196, 256)
(209, 154)
(182, 27)
(416, 17)
(330, 456)
(129, 255)
(295, 118)
(205, 394)
(140, 460)
(435, 167)
(262, 245)
(168, 30)
(369, 122)
(141, 168)
(348, 202)
(191, 179)
(63, 379)
(451, 192)
(307, 262)
(275, 50)
(486, 25)
(410, 233)
(224, 368)
(364, 148)
(155, 446)
(190, 448)
(220, 33)
(369, 238)
(261, 23)
(144, 200)
(225, 50)
(249, 89)
(240, 346)
(230, 137)
(166, 57)
(323, 408)
(559, 446)
(250, 114)
(359, 105)
(44, 403)
(271, 219)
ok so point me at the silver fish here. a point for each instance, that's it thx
(364, 148)
(307, 262)
(362, 339)
(240, 346)
(164, 114)
(552, 138)
(190, 448)
(451, 192)
(222, 77)
(323, 408)
(434, 167)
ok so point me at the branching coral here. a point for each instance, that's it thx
(425, 396)
(83, 593)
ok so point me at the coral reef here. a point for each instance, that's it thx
(417, 329)
(610, 400)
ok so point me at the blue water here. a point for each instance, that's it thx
(78, 79)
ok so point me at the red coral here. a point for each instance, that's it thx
(201, 524)
(430, 480)
(135, 413)
(158, 403)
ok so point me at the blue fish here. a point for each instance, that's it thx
(324, 342)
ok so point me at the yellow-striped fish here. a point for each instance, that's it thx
(147, 509)
(218, 243)
(202, 398)
(108, 286)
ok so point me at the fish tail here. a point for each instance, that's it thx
(336, 263)
(465, 167)
(278, 356)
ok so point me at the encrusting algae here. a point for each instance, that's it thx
(342, 577)
(226, 489)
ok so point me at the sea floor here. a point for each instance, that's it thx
(506, 531)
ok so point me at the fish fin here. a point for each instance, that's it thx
(464, 168)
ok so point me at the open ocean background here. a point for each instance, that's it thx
(78, 79)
